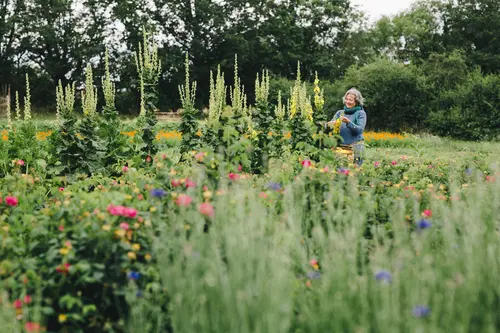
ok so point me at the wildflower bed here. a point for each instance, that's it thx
(203, 246)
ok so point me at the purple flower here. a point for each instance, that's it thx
(314, 275)
(424, 224)
(343, 171)
(158, 192)
(421, 311)
(134, 275)
(273, 186)
(383, 276)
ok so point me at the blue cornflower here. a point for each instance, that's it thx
(274, 186)
(421, 311)
(424, 224)
(158, 192)
(314, 275)
(134, 275)
(383, 276)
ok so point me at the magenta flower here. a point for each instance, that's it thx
(11, 201)
(306, 163)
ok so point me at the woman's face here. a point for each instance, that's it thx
(350, 101)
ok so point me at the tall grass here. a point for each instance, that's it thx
(251, 271)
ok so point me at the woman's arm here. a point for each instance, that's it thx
(358, 129)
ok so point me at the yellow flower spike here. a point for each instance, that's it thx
(152, 209)
(147, 257)
(207, 194)
(131, 255)
(106, 227)
(128, 197)
(316, 267)
(120, 233)
(187, 227)
(137, 190)
(136, 247)
(62, 318)
(64, 251)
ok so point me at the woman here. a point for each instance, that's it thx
(353, 124)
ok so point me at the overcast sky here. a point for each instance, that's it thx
(376, 8)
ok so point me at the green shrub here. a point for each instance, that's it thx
(472, 111)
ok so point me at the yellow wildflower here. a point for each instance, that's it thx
(62, 318)
(136, 247)
(131, 255)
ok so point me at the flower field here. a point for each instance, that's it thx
(248, 221)
(406, 243)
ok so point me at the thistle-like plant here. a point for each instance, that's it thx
(18, 107)
(149, 70)
(110, 124)
(189, 124)
(9, 109)
(262, 123)
(27, 100)
(300, 114)
(90, 147)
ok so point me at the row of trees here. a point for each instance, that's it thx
(54, 40)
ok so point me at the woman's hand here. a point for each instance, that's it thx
(345, 120)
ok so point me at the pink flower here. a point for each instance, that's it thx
(61, 189)
(11, 201)
(313, 262)
(183, 200)
(263, 195)
(189, 183)
(233, 176)
(124, 226)
(148, 159)
(206, 209)
(27, 299)
(130, 212)
(394, 162)
(199, 156)
(427, 213)
(18, 304)
(20, 162)
(240, 168)
(140, 197)
(376, 164)
(163, 156)
(61, 228)
(404, 157)
(306, 163)
(175, 182)
(125, 169)
(32, 327)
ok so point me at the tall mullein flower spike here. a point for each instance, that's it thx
(27, 100)
(89, 97)
(9, 110)
(319, 100)
(18, 107)
(280, 108)
(109, 88)
(188, 91)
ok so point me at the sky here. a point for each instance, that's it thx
(376, 8)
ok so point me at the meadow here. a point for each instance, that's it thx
(248, 221)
